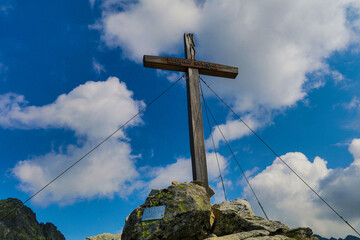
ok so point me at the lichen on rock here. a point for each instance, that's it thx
(105, 236)
(187, 214)
(237, 216)
(301, 234)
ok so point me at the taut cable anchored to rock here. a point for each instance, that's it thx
(93, 149)
(233, 154)
(278, 156)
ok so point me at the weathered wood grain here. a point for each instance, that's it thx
(193, 68)
(196, 130)
(181, 65)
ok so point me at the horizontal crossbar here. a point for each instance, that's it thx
(181, 65)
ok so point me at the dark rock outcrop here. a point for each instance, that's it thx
(21, 224)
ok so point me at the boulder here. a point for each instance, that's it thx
(237, 216)
(241, 206)
(242, 235)
(301, 234)
(187, 214)
(105, 236)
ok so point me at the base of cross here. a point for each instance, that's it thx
(209, 190)
(184, 211)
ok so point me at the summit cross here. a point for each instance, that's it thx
(193, 68)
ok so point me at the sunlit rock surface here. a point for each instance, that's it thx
(105, 236)
(189, 216)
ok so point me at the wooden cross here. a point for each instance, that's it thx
(193, 68)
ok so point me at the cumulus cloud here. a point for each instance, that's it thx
(93, 111)
(275, 44)
(181, 171)
(149, 27)
(286, 198)
(108, 171)
(232, 129)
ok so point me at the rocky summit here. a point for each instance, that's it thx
(188, 215)
(21, 224)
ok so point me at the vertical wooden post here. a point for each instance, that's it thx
(197, 143)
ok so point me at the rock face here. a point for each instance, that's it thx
(105, 236)
(22, 224)
(237, 216)
(187, 214)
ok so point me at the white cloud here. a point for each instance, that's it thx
(150, 27)
(107, 171)
(275, 44)
(353, 104)
(163, 176)
(171, 76)
(98, 68)
(337, 76)
(219, 192)
(181, 171)
(232, 129)
(287, 199)
(355, 150)
(93, 111)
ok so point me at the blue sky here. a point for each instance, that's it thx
(71, 73)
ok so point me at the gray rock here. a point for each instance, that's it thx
(105, 236)
(301, 234)
(187, 214)
(242, 235)
(241, 206)
(276, 237)
(237, 216)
